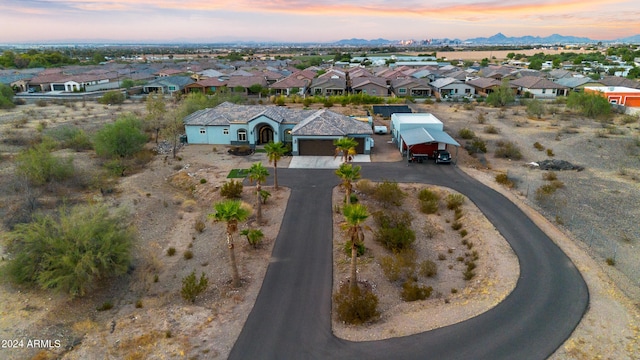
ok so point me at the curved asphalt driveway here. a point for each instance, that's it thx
(292, 315)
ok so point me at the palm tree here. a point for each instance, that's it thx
(258, 173)
(348, 173)
(354, 216)
(346, 146)
(275, 151)
(231, 212)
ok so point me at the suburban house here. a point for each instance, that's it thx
(617, 95)
(206, 86)
(578, 84)
(539, 87)
(296, 83)
(167, 85)
(451, 87)
(411, 86)
(419, 134)
(328, 86)
(308, 132)
(370, 85)
(242, 84)
(483, 85)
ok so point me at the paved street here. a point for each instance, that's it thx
(292, 315)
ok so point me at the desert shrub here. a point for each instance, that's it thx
(491, 129)
(355, 306)
(72, 250)
(454, 201)
(429, 201)
(538, 146)
(466, 134)
(122, 138)
(191, 287)
(389, 193)
(476, 145)
(629, 119)
(457, 214)
(254, 236)
(468, 274)
(365, 186)
(107, 305)
(139, 304)
(456, 225)
(428, 268)
(550, 153)
(549, 176)
(611, 261)
(535, 108)
(6, 97)
(171, 251)
(112, 97)
(400, 265)
(203, 181)
(231, 189)
(481, 119)
(394, 230)
(442, 257)
(412, 291)
(463, 232)
(199, 225)
(430, 229)
(508, 150)
(39, 166)
(71, 137)
(503, 179)
(188, 255)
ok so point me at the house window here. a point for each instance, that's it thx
(467, 91)
(544, 91)
(172, 88)
(225, 131)
(242, 135)
(402, 91)
(373, 91)
(203, 131)
(287, 135)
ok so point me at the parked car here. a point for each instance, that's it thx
(442, 157)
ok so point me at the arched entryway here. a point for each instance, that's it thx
(265, 134)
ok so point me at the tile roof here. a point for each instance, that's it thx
(327, 123)
(536, 82)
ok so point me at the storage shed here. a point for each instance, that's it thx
(419, 134)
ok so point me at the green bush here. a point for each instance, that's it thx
(549, 176)
(122, 138)
(6, 97)
(475, 146)
(188, 255)
(71, 137)
(412, 291)
(428, 268)
(429, 201)
(355, 307)
(394, 230)
(72, 251)
(503, 179)
(112, 98)
(231, 189)
(191, 287)
(365, 186)
(39, 166)
(490, 129)
(538, 146)
(508, 150)
(389, 193)
(254, 237)
(171, 251)
(466, 134)
(454, 201)
(456, 225)
(463, 232)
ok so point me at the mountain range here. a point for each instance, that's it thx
(497, 39)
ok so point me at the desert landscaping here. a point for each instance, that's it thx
(590, 214)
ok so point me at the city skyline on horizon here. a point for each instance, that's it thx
(304, 21)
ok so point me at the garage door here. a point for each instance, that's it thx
(316, 147)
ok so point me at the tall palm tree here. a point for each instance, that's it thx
(258, 173)
(346, 146)
(348, 174)
(231, 212)
(354, 215)
(275, 152)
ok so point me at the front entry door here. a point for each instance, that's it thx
(266, 135)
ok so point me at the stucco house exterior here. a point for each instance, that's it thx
(167, 85)
(308, 132)
(618, 95)
(452, 87)
(539, 87)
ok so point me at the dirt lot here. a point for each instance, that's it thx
(150, 320)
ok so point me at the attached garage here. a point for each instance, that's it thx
(321, 147)
(316, 147)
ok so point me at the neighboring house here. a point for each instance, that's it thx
(419, 134)
(370, 85)
(417, 88)
(451, 88)
(43, 82)
(242, 84)
(296, 83)
(169, 72)
(620, 81)
(167, 85)
(539, 87)
(617, 95)
(578, 84)
(484, 86)
(206, 86)
(308, 132)
(328, 86)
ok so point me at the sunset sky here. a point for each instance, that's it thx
(310, 20)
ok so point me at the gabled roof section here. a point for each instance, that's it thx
(574, 82)
(442, 82)
(484, 83)
(421, 135)
(327, 123)
(536, 82)
(362, 81)
(180, 81)
(620, 81)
